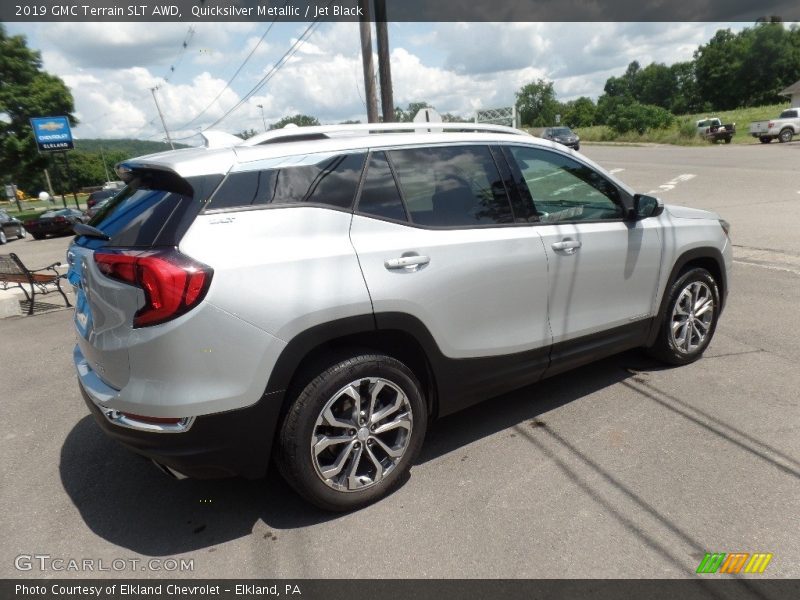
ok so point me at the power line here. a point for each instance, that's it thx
(270, 74)
(228, 84)
(181, 52)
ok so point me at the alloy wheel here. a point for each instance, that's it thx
(361, 434)
(692, 317)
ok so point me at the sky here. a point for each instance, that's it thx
(455, 67)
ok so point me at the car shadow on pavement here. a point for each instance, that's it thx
(125, 500)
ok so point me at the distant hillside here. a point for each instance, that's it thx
(129, 148)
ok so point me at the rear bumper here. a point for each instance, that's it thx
(233, 443)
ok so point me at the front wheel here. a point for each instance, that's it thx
(728, 140)
(22, 233)
(353, 432)
(690, 319)
(785, 136)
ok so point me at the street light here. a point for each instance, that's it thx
(263, 120)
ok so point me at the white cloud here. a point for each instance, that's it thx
(457, 67)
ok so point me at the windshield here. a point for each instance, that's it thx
(562, 131)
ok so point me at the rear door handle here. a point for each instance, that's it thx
(568, 246)
(403, 262)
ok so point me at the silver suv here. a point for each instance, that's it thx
(320, 295)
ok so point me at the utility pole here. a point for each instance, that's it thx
(384, 66)
(105, 165)
(158, 108)
(263, 120)
(366, 59)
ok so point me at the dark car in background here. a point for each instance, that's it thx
(99, 196)
(563, 135)
(55, 222)
(10, 227)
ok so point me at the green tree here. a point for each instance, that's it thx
(580, 112)
(246, 134)
(537, 104)
(407, 115)
(299, 120)
(26, 91)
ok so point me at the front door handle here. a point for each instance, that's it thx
(406, 262)
(567, 246)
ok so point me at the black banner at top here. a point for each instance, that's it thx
(398, 10)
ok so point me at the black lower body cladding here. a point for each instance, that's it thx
(233, 443)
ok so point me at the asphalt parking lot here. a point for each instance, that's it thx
(619, 469)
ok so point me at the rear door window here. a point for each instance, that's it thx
(452, 186)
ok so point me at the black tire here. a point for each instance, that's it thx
(728, 140)
(666, 347)
(22, 233)
(577, 147)
(38, 236)
(785, 136)
(300, 465)
(765, 140)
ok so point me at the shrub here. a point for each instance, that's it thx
(638, 117)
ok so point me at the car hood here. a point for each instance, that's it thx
(684, 212)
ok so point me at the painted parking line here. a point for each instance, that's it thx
(612, 171)
(665, 187)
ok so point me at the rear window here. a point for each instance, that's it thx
(332, 182)
(154, 209)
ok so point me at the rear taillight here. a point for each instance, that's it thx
(29, 222)
(60, 220)
(770, 125)
(173, 283)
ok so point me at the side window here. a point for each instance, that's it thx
(563, 189)
(332, 182)
(452, 186)
(380, 196)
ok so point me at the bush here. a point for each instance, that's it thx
(638, 117)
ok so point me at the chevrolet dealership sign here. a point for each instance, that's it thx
(52, 134)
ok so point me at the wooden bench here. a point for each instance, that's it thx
(16, 274)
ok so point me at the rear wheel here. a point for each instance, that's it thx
(690, 319)
(728, 140)
(765, 140)
(785, 135)
(353, 432)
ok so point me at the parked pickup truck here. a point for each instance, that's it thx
(785, 127)
(712, 130)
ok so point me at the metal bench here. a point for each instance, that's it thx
(14, 273)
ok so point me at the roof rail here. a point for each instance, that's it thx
(327, 131)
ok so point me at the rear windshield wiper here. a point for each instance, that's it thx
(89, 231)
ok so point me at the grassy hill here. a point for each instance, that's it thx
(128, 147)
(682, 131)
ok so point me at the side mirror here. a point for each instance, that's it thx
(645, 206)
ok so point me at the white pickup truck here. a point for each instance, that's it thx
(785, 127)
